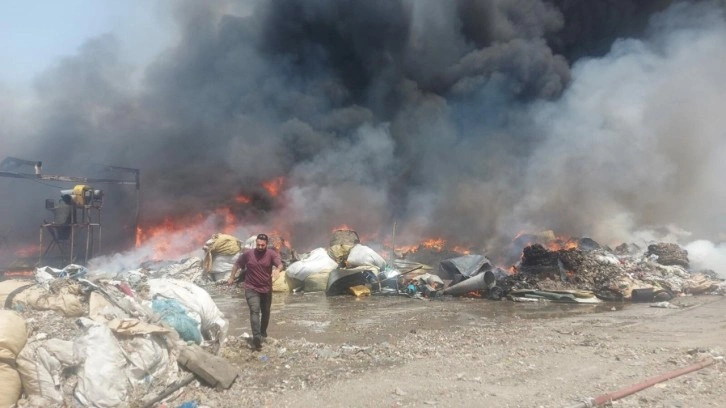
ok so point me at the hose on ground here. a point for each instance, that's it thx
(624, 392)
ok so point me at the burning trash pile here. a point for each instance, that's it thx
(68, 339)
(573, 270)
(89, 336)
(582, 271)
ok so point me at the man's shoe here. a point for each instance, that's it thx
(256, 343)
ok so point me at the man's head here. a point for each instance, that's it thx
(261, 243)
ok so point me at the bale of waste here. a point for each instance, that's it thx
(40, 364)
(65, 298)
(317, 282)
(102, 381)
(220, 245)
(11, 388)
(317, 261)
(698, 284)
(341, 243)
(668, 254)
(173, 313)
(221, 267)
(12, 340)
(196, 301)
(361, 255)
(223, 244)
(280, 285)
(9, 289)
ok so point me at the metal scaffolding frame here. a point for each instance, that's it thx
(65, 236)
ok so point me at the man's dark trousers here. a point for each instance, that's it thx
(259, 304)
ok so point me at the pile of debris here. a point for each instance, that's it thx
(572, 270)
(627, 273)
(67, 339)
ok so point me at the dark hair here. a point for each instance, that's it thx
(262, 237)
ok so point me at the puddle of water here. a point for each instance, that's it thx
(340, 319)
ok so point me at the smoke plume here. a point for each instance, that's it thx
(469, 120)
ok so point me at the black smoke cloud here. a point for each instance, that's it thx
(470, 120)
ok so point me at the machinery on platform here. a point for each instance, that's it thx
(73, 233)
(75, 229)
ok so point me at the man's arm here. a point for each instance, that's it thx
(276, 266)
(235, 268)
(233, 275)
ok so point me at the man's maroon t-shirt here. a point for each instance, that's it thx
(259, 269)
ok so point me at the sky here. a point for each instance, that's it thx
(35, 35)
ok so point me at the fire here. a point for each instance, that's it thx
(172, 238)
(434, 243)
(230, 220)
(406, 249)
(274, 186)
(548, 239)
(27, 251)
(243, 199)
(562, 243)
(461, 250)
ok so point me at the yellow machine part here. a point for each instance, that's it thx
(79, 194)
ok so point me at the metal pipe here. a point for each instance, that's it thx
(393, 243)
(73, 239)
(89, 231)
(40, 249)
(624, 392)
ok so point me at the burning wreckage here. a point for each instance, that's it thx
(550, 269)
(68, 335)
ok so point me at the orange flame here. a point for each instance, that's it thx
(171, 238)
(274, 186)
(434, 243)
(548, 239)
(562, 243)
(26, 250)
(461, 250)
(243, 199)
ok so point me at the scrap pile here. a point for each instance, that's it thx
(68, 339)
(345, 265)
(626, 273)
(576, 271)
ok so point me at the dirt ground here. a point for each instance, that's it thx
(390, 352)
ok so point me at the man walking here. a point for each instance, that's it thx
(260, 265)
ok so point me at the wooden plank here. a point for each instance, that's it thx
(213, 370)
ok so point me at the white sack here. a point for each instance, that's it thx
(361, 255)
(101, 379)
(222, 265)
(12, 334)
(149, 362)
(10, 386)
(40, 365)
(195, 300)
(316, 261)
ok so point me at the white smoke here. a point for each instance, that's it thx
(636, 142)
(704, 254)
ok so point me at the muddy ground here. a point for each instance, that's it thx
(396, 351)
